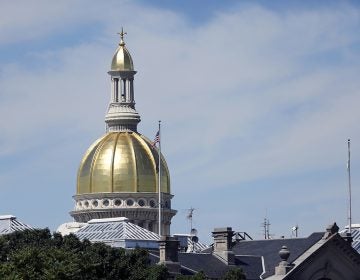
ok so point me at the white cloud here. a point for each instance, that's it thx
(251, 95)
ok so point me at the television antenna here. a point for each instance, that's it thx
(294, 230)
(266, 227)
(349, 187)
(189, 216)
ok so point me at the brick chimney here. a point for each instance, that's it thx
(223, 245)
(169, 254)
(331, 230)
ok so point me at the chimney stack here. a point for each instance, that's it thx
(169, 254)
(331, 230)
(223, 245)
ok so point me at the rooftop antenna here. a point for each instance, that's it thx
(294, 229)
(193, 232)
(189, 216)
(349, 182)
(266, 225)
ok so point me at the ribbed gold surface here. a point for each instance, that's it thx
(121, 162)
(122, 60)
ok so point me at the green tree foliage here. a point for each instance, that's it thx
(198, 276)
(37, 254)
(234, 274)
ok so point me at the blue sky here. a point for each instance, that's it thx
(257, 101)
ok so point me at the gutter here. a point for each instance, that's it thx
(263, 267)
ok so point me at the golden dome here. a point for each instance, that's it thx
(122, 60)
(121, 162)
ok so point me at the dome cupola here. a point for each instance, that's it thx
(122, 60)
(122, 115)
(119, 174)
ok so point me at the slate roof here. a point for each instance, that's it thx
(209, 264)
(213, 267)
(9, 224)
(313, 256)
(269, 249)
(251, 265)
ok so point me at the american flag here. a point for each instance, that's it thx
(156, 139)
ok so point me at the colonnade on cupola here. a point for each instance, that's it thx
(122, 88)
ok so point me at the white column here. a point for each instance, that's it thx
(128, 98)
(112, 90)
(132, 90)
(116, 88)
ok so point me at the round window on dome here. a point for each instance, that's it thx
(95, 203)
(152, 203)
(141, 202)
(86, 203)
(106, 202)
(129, 202)
(117, 202)
(79, 204)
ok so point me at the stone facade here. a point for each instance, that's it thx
(140, 208)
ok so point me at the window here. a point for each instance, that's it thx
(152, 204)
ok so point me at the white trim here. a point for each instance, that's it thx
(105, 220)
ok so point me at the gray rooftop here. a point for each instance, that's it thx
(118, 232)
(355, 233)
(269, 249)
(9, 224)
(214, 268)
(189, 245)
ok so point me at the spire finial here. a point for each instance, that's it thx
(122, 33)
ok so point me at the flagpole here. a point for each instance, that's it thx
(349, 182)
(159, 178)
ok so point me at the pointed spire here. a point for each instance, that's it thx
(122, 115)
(122, 60)
(122, 33)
